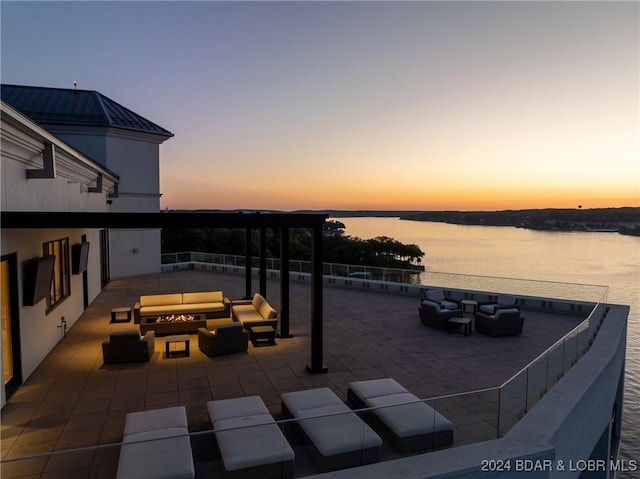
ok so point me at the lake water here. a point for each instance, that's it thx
(608, 259)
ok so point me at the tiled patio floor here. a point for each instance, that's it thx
(73, 400)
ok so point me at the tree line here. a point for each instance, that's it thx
(381, 251)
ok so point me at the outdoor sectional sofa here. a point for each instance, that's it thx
(254, 312)
(156, 445)
(338, 437)
(213, 304)
(409, 423)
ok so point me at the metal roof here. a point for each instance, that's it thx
(61, 106)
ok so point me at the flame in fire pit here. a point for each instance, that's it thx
(175, 318)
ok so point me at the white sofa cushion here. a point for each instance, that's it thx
(160, 299)
(246, 312)
(206, 297)
(266, 311)
(201, 307)
(257, 301)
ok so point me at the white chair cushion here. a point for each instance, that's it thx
(207, 297)
(160, 299)
(436, 295)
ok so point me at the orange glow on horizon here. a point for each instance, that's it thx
(442, 198)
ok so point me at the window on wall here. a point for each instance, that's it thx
(61, 284)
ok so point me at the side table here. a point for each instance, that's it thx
(177, 338)
(262, 334)
(469, 306)
(464, 322)
(120, 315)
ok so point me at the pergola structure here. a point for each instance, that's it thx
(281, 222)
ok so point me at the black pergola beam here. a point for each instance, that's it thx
(37, 219)
(262, 274)
(247, 262)
(317, 362)
(284, 283)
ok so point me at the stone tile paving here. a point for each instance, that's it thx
(73, 400)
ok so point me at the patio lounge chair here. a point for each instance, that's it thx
(505, 322)
(503, 301)
(250, 442)
(160, 447)
(437, 315)
(438, 296)
(224, 339)
(127, 346)
(339, 438)
(409, 423)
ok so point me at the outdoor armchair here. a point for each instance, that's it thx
(435, 315)
(503, 301)
(224, 339)
(505, 322)
(128, 346)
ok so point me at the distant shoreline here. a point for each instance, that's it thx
(611, 220)
(625, 220)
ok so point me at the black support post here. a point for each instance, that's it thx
(247, 261)
(284, 283)
(263, 262)
(317, 361)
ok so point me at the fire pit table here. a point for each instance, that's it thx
(173, 324)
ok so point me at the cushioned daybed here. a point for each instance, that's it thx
(168, 457)
(409, 423)
(250, 442)
(339, 438)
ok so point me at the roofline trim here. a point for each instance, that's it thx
(23, 121)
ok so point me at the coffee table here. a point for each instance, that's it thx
(177, 338)
(120, 315)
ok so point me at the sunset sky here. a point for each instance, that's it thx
(359, 105)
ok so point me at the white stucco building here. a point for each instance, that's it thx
(69, 151)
